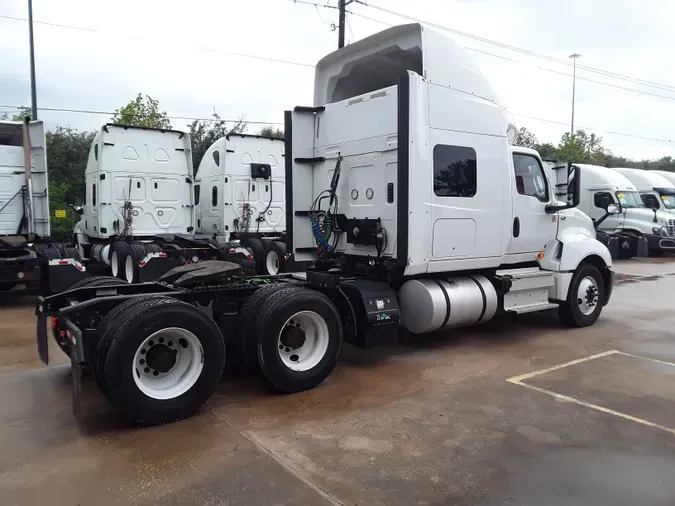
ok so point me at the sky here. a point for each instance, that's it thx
(191, 57)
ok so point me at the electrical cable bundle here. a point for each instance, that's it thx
(322, 223)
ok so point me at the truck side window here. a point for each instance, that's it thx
(93, 194)
(650, 201)
(530, 179)
(196, 194)
(214, 196)
(454, 171)
(597, 198)
(96, 152)
(216, 157)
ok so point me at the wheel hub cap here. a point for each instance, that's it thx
(292, 337)
(161, 358)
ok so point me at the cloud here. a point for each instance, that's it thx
(178, 54)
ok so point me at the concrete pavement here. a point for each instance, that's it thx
(434, 421)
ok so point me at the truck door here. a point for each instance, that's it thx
(532, 228)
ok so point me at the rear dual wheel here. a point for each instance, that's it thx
(275, 257)
(291, 337)
(159, 359)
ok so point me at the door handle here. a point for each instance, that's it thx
(516, 226)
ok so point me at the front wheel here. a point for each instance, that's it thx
(584, 298)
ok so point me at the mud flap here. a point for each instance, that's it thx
(642, 247)
(62, 274)
(154, 266)
(42, 337)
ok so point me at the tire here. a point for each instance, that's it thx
(106, 326)
(52, 254)
(92, 282)
(303, 366)
(118, 252)
(245, 341)
(257, 249)
(131, 260)
(275, 258)
(130, 379)
(574, 313)
(151, 247)
(72, 253)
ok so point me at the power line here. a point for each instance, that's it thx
(580, 127)
(545, 69)
(652, 84)
(201, 48)
(111, 113)
(84, 111)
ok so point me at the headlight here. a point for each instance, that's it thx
(657, 231)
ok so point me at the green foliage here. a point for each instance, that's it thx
(582, 148)
(273, 132)
(142, 112)
(204, 133)
(525, 139)
(67, 152)
(61, 228)
(20, 115)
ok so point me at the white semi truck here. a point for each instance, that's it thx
(634, 223)
(656, 191)
(28, 257)
(240, 196)
(138, 209)
(401, 172)
(670, 176)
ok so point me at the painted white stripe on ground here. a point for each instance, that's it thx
(518, 380)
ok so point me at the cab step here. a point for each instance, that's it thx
(540, 306)
(529, 289)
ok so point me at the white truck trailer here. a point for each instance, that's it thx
(656, 191)
(240, 196)
(402, 172)
(27, 255)
(138, 209)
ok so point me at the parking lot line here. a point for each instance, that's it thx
(518, 380)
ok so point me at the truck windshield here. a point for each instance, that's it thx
(629, 199)
(667, 197)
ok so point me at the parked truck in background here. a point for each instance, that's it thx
(634, 223)
(138, 210)
(656, 191)
(240, 197)
(28, 257)
(401, 172)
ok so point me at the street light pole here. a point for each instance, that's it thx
(342, 9)
(33, 90)
(574, 57)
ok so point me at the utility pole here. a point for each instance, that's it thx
(33, 91)
(574, 57)
(342, 7)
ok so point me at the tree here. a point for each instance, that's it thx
(142, 112)
(273, 132)
(525, 139)
(67, 153)
(20, 115)
(582, 148)
(203, 133)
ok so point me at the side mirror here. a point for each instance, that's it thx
(70, 198)
(613, 209)
(573, 191)
(605, 202)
